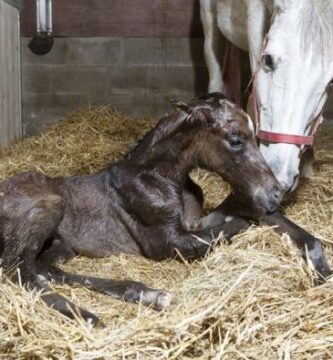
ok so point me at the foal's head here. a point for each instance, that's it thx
(226, 144)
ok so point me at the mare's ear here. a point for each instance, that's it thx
(180, 105)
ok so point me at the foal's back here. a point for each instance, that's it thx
(95, 222)
(92, 215)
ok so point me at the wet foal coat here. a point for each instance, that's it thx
(143, 204)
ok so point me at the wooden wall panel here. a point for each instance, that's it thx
(123, 18)
(10, 77)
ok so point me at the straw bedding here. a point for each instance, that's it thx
(253, 299)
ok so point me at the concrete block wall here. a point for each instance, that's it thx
(132, 54)
(135, 75)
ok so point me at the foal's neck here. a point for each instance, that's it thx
(174, 156)
(165, 128)
(172, 147)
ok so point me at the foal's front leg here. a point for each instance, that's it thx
(195, 244)
(194, 220)
(192, 199)
(309, 245)
(230, 225)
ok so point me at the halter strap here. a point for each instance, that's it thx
(275, 137)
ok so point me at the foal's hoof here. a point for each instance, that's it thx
(322, 278)
(163, 300)
(91, 319)
(96, 323)
(323, 272)
(158, 299)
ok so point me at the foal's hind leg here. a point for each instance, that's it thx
(59, 251)
(127, 290)
(60, 303)
(27, 223)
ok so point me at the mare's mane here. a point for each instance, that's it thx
(316, 25)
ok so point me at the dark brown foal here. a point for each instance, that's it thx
(143, 204)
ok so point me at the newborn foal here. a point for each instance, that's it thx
(143, 204)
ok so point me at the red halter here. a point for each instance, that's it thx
(274, 137)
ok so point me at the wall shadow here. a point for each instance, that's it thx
(196, 39)
(200, 71)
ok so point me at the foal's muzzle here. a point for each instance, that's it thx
(268, 200)
(275, 198)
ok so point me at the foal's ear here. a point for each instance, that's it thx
(225, 104)
(180, 105)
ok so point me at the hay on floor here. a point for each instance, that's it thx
(253, 299)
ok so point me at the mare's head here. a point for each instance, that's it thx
(225, 143)
(293, 77)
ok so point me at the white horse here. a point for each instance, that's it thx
(290, 43)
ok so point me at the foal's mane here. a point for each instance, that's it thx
(170, 123)
(164, 128)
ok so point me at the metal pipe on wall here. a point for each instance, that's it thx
(42, 42)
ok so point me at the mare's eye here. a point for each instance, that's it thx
(330, 84)
(269, 62)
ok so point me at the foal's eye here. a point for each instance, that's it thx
(235, 141)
